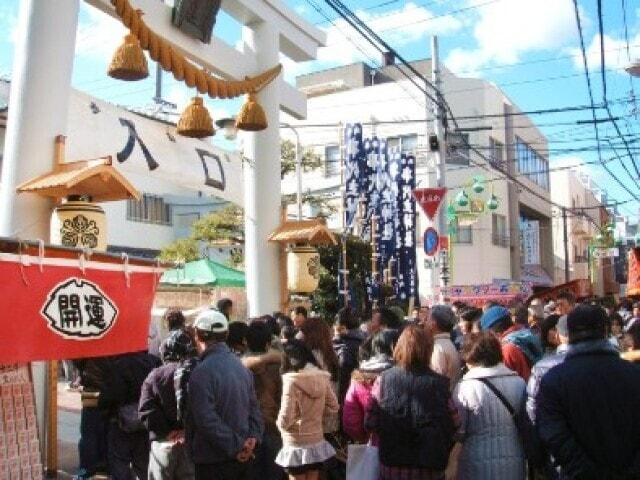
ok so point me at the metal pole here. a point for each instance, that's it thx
(441, 270)
(298, 158)
(158, 96)
(565, 239)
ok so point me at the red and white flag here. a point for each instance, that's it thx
(63, 308)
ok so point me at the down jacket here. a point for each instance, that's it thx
(307, 398)
(491, 445)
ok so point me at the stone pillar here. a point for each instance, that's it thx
(40, 88)
(262, 182)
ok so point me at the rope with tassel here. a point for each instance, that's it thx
(162, 51)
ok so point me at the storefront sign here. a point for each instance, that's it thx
(605, 253)
(65, 308)
(151, 149)
(530, 241)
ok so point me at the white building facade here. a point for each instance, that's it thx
(390, 107)
(586, 214)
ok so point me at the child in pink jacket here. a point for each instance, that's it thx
(359, 393)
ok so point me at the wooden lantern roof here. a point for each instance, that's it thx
(97, 179)
(313, 232)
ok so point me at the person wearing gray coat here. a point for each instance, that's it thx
(490, 447)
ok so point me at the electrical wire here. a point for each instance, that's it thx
(355, 22)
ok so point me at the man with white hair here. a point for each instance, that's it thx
(445, 359)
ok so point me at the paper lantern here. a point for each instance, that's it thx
(462, 199)
(195, 121)
(492, 203)
(303, 269)
(79, 223)
(128, 62)
(478, 184)
(251, 117)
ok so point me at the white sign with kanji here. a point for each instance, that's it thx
(77, 309)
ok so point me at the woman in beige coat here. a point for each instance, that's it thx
(307, 398)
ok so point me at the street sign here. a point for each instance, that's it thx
(429, 199)
(605, 252)
(431, 241)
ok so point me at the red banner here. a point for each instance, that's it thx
(633, 281)
(429, 199)
(60, 308)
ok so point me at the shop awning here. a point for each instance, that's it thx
(204, 272)
(536, 276)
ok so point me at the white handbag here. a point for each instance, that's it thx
(363, 462)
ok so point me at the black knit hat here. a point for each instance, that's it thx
(586, 322)
(177, 346)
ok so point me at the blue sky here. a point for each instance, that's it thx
(528, 47)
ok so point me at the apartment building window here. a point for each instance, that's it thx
(499, 236)
(149, 209)
(331, 160)
(462, 235)
(532, 164)
(496, 150)
(407, 143)
(458, 148)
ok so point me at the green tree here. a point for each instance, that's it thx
(182, 250)
(224, 225)
(326, 300)
(309, 160)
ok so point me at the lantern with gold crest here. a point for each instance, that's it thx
(77, 221)
(299, 239)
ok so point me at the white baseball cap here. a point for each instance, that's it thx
(211, 321)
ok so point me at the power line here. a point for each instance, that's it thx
(588, 78)
(604, 92)
(372, 38)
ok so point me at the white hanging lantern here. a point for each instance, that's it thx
(303, 269)
(79, 223)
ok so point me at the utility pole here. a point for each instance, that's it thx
(565, 239)
(441, 269)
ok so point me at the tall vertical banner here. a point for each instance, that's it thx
(407, 275)
(382, 180)
(67, 308)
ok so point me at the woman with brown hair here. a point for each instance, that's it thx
(412, 412)
(316, 335)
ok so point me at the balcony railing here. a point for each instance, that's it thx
(500, 240)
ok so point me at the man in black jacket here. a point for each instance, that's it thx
(158, 411)
(128, 441)
(587, 407)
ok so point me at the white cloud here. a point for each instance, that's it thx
(99, 35)
(409, 24)
(615, 53)
(508, 29)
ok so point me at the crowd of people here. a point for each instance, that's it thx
(545, 391)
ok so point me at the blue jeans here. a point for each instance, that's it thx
(92, 447)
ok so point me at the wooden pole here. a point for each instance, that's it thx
(345, 269)
(52, 419)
